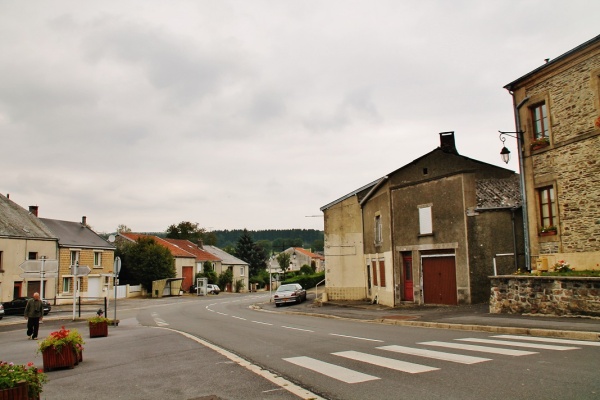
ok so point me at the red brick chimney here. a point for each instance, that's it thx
(33, 210)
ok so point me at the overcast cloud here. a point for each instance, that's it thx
(253, 114)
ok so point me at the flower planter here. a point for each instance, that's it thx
(549, 233)
(77, 355)
(53, 359)
(98, 329)
(539, 146)
(19, 392)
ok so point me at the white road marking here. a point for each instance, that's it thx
(549, 340)
(221, 313)
(331, 370)
(519, 344)
(483, 349)
(391, 363)
(356, 337)
(277, 380)
(262, 323)
(297, 329)
(243, 319)
(438, 355)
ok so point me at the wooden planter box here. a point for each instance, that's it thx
(18, 392)
(54, 359)
(98, 329)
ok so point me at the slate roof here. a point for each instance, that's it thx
(498, 193)
(17, 222)
(227, 259)
(75, 234)
(201, 255)
(175, 250)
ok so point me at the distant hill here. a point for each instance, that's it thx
(280, 239)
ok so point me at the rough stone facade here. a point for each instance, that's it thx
(570, 88)
(512, 294)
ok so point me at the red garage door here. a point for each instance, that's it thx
(439, 280)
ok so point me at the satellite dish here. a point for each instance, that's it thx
(111, 238)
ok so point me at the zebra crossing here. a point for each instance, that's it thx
(497, 345)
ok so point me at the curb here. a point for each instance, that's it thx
(575, 335)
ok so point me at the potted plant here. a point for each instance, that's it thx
(540, 143)
(548, 230)
(98, 326)
(562, 266)
(20, 382)
(62, 348)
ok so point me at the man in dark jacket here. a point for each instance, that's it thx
(34, 313)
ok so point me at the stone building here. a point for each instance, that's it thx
(557, 112)
(426, 233)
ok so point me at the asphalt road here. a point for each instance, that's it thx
(341, 359)
(228, 347)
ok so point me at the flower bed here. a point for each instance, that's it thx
(63, 348)
(20, 381)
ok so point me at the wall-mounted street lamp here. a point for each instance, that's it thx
(505, 154)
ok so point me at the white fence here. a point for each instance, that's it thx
(125, 291)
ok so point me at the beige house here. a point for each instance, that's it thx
(557, 111)
(23, 237)
(80, 245)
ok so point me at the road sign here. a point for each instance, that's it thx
(117, 266)
(36, 275)
(36, 265)
(83, 270)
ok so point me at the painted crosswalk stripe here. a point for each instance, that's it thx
(438, 355)
(549, 340)
(397, 365)
(519, 344)
(331, 370)
(482, 349)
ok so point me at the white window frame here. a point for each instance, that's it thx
(242, 271)
(66, 287)
(97, 257)
(74, 254)
(378, 230)
(425, 219)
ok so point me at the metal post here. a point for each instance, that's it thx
(75, 267)
(115, 285)
(43, 258)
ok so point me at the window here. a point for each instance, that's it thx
(425, 221)
(539, 114)
(66, 285)
(382, 273)
(97, 259)
(242, 271)
(378, 230)
(32, 255)
(547, 206)
(74, 257)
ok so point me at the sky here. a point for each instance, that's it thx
(253, 114)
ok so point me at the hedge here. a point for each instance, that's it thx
(307, 281)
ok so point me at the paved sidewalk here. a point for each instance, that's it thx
(465, 317)
(136, 362)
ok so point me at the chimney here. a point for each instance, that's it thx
(84, 220)
(33, 210)
(200, 243)
(447, 142)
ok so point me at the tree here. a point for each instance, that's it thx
(225, 278)
(251, 252)
(145, 261)
(283, 259)
(122, 228)
(187, 231)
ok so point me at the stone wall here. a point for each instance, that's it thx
(554, 295)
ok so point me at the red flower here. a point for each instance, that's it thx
(597, 123)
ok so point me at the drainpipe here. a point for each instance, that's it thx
(522, 178)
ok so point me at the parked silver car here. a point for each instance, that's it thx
(290, 293)
(212, 289)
